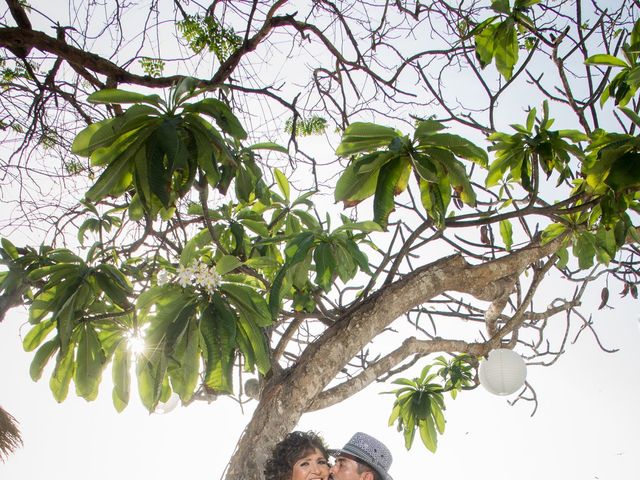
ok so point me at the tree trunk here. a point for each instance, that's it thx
(292, 392)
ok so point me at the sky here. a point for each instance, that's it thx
(585, 427)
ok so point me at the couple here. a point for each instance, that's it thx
(303, 456)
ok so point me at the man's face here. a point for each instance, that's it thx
(346, 468)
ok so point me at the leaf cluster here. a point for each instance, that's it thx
(383, 160)
(419, 403)
(496, 38)
(206, 32)
(155, 150)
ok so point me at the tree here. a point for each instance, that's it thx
(202, 227)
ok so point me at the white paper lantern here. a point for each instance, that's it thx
(503, 373)
(169, 405)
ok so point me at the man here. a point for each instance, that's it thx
(362, 458)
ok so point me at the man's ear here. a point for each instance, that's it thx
(368, 475)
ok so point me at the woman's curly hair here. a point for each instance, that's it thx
(288, 451)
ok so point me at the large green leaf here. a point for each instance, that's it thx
(37, 334)
(114, 95)
(428, 434)
(150, 372)
(296, 251)
(359, 179)
(584, 248)
(325, 265)
(485, 44)
(360, 137)
(459, 146)
(185, 371)
(604, 59)
(268, 146)
(227, 263)
(121, 375)
(256, 340)
(506, 232)
(506, 48)
(190, 250)
(218, 327)
(248, 302)
(106, 132)
(283, 183)
(387, 189)
(222, 114)
(114, 181)
(90, 362)
(63, 372)
(42, 357)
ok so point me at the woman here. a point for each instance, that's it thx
(299, 456)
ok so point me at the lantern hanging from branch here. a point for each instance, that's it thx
(503, 372)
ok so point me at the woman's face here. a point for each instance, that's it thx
(312, 466)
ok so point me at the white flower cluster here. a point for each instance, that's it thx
(196, 274)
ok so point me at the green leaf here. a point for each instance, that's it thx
(62, 373)
(459, 146)
(633, 116)
(604, 59)
(362, 137)
(563, 258)
(222, 114)
(355, 184)
(37, 334)
(108, 132)
(121, 375)
(259, 227)
(438, 416)
(584, 249)
(426, 128)
(325, 264)
(90, 362)
(114, 290)
(113, 181)
(485, 43)
(283, 183)
(42, 357)
(387, 189)
(553, 231)
(256, 340)
(226, 264)
(10, 248)
(185, 87)
(186, 372)
(367, 226)
(249, 303)
(296, 251)
(506, 48)
(189, 252)
(268, 146)
(150, 372)
(501, 6)
(218, 327)
(114, 95)
(506, 232)
(428, 434)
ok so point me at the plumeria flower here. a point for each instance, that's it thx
(201, 273)
(185, 275)
(212, 281)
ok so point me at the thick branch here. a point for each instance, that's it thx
(411, 346)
